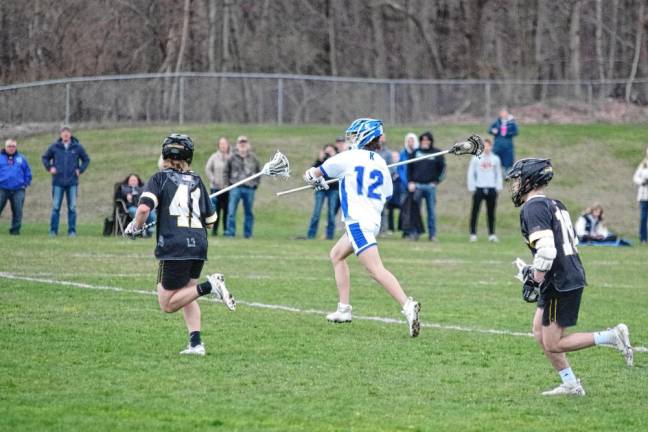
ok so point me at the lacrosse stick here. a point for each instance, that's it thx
(278, 166)
(474, 145)
(140, 232)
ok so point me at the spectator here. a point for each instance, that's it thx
(504, 129)
(130, 191)
(15, 177)
(331, 195)
(215, 171)
(340, 144)
(66, 160)
(386, 154)
(243, 163)
(589, 226)
(424, 176)
(484, 181)
(641, 179)
(410, 216)
(394, 202)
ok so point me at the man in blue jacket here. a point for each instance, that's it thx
(65, 160)
(504, 129)
(15, 177)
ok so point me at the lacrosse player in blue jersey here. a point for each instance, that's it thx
(365, 185)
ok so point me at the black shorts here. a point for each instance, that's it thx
(560, 307)
(175, 274)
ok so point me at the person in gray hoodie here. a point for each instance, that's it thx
(484, 181)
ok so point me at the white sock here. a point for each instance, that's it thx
(567, 376)
(607, 337)
(344, 307)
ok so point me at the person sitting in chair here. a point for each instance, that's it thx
(589, 226)
(129, 192)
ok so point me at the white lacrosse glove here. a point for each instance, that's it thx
(318, 183)
(131, 231)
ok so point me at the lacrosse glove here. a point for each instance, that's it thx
(131, 232)
(530, 288)
(318, 183)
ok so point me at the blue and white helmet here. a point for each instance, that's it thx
(363, 131)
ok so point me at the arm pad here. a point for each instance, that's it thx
(545, 254)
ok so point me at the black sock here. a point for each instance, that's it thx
(204, 288)
(194, 338)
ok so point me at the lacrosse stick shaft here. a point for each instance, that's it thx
(238, 183)
(395, 164)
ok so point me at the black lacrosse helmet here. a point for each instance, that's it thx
(532, 172)
(179, 147)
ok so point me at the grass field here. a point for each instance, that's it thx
(83, 345)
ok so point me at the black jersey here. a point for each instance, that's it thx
(181, 233)
(541, 217)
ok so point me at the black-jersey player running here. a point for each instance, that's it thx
(556, 278)
(184, 212)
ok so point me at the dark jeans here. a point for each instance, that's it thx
(320, 197)
(57, 200)
(643, 221)
(235, 195)
(427, 192)
(16, 200)
(490, 196)
(221, 203)
(391, 209)
(132, 210)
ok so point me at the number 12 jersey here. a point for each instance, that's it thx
(183, 209)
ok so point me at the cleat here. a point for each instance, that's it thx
(198, 350)
(566, 390)
(622, 343)
(220, 292)
(341, 315)
(411, 311)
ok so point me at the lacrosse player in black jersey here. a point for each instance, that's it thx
(556, 277)
(184, 213)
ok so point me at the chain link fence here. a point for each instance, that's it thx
(271, 98)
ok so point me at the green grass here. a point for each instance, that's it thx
(80, 359)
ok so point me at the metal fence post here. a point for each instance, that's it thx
(392, 103)
(280, 100)
(181, 101)
(67, 103)
(590, 97)
(487, 97)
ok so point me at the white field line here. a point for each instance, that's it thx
(285, 308)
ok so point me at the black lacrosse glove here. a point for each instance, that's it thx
(530, 288)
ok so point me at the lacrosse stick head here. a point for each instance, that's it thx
(278, 166)
(474, 145)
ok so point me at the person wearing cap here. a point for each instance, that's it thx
(15, 177)
(242, 164)
(65, 160)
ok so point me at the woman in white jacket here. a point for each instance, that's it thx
(641, 179)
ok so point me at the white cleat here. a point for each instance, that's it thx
(622, 343)
(566, 390)
(220, 292)
(198, 350)
(341, 315)
(473, 238)
(493, 238)
(411, 311)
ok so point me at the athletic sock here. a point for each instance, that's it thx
(567, 376)
(606, 337)
(204, 288)
(194, 338)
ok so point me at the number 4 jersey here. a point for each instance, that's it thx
(544, 217)
(181, 232)
(365, 185)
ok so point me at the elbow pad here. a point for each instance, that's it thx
(545, 254)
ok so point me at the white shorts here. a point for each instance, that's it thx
(361, 238)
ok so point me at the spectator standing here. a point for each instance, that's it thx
(215, 171)
(410, 216)
(331, 195)
(424, 176)
(15, 177)
(504, 129)
(341, 144)
(65, 160)
(394, 202)
(130, 191)
(641, 179)
(386, 154)
(484, 181)
(242, 164)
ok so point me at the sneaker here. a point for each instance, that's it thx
(473, 238)
(72, 234)
(411, 311)
(341, 315)
(575, 389)
(220, 292)
(623, 343)
(493, 238)
(195, 350)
